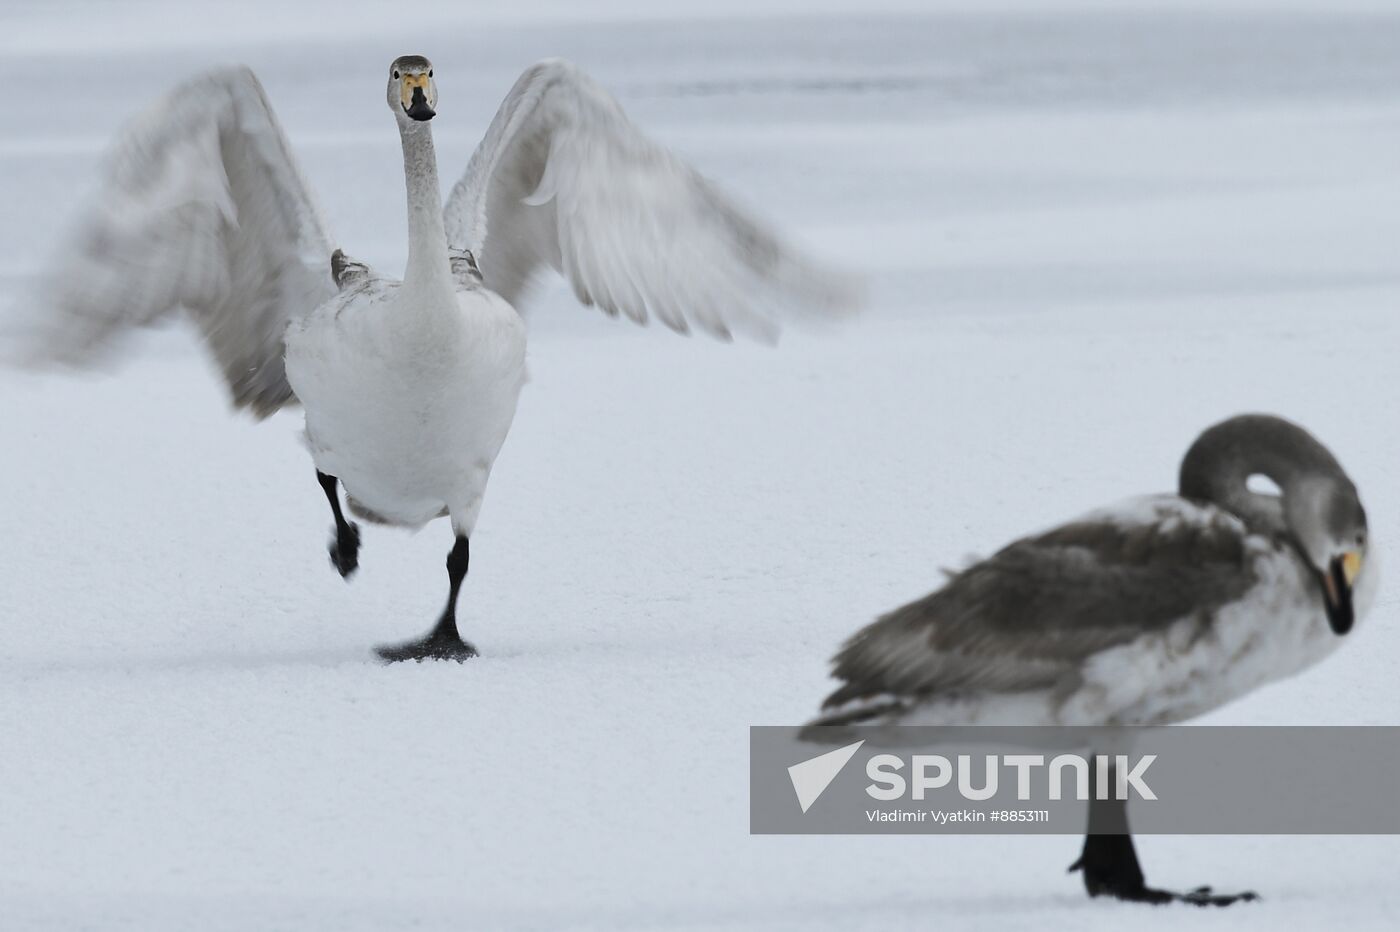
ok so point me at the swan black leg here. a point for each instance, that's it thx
(345, 545)
(1110, 864)
(443, 642)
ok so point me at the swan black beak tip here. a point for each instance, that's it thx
(418, 109)
(1336, 595)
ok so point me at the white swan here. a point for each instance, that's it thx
(410, 387)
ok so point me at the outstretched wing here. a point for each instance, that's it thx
(563, 178)
(1030, 616)
(202, 207)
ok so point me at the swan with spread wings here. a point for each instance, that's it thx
(409, 386)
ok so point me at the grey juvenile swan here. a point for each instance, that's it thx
(409, 387)
(1151, 612)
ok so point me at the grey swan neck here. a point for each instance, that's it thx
(1217, 467)
(428, 274)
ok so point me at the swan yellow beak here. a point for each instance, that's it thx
(408, 83)
(1351, 566)
(1337, 581)
(415, 93)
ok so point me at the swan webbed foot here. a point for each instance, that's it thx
(442, 644)
(345, 549)
(1201, 896)
(1121, 878)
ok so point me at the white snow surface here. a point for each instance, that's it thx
(1090, 233)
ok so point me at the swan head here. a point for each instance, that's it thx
(412, 93)
(1329, 526)
(1315, 506)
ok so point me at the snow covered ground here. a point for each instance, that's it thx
(1089, 235)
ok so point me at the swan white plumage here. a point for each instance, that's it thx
(409, 387)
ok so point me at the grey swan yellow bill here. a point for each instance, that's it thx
(409, 386)
(1147, 613)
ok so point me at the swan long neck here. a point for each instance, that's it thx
(428, 269)
(1218, 466)
(1224, 481)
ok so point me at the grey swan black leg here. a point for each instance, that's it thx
(1110, 864)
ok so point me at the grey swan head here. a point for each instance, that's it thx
(1318, 509)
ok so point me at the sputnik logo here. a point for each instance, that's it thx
(811, 777)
